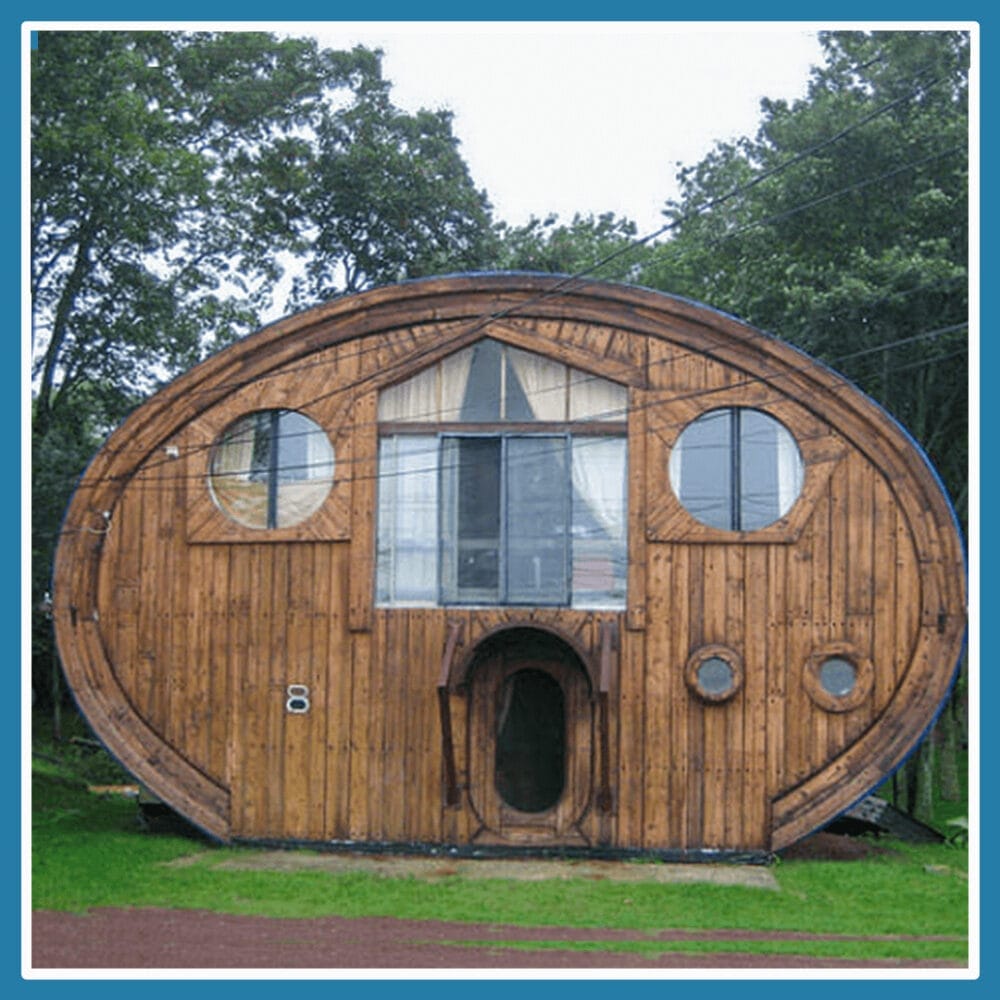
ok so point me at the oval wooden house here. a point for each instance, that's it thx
(511, 560)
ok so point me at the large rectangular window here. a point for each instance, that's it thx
(516, 519)
(502, 480)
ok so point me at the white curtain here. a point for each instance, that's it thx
(234, 453)
(305, 468)
(790, 472)
(600, 506)
(242, 498)
(600, 479)
(543, 382)
(414, 399)
(592, 398)
(454, 376)
(408, 520)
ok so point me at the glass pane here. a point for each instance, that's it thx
(236, 483)
(481, 402)
(770, 470)
(535, 387)
(530, 760)
(837, 676)
(715, 676)
(303, 469)
(765, 456)
(414, 399)
(537, 493)
(593, 398)
(470, 519)
(600, 491)
(271, 469)
(407, 556)
(701, 469)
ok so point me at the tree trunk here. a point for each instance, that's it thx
(923, 800)
(60, 327)
(946, 732)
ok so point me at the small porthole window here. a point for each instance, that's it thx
(838, 678)
(714, 673)
(737, 469)
(271, 469)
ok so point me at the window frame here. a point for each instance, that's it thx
(698, 658)
(207, 523)
(273, 473)
(864, 677)
(667, 415)
(472, 596)
(568, 431)
(727, 480)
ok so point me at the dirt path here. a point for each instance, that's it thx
(194, 939)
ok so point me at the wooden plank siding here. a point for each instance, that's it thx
(180, 633)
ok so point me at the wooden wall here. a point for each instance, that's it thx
(181, 634)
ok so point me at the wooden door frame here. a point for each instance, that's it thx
(483, 671)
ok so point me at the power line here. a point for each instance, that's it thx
(147, 482)
(485, 319)
(569, 280)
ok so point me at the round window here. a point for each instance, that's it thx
(715, 676)
(737, 469)
(838, 677)
(271, 469)
(714, 673)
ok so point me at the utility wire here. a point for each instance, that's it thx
(739, 189)
(149, 482)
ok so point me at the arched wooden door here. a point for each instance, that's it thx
(531, 739)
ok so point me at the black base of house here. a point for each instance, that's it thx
(554, 852)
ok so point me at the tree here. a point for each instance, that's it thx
(580, 247)
(154, 192)
(387, 197)
(174, 176)
(843, 227)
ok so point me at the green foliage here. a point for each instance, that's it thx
(75, 759)
(143, 209)
(580, 247)
(385, 196)
(843, 228)
(174, 175)
(90, 850)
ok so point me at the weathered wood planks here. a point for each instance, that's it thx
(182, 632)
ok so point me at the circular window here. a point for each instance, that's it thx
(714, 673)
(737, 469)
(838, 677)
(271, 469)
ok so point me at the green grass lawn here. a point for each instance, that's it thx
(89, 851)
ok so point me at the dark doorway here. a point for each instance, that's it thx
(530, 738)
(530, 760)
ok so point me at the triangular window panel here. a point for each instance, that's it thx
(490, 382)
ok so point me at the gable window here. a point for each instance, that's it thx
(502, 480)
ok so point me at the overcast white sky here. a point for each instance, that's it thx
(586, 117)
